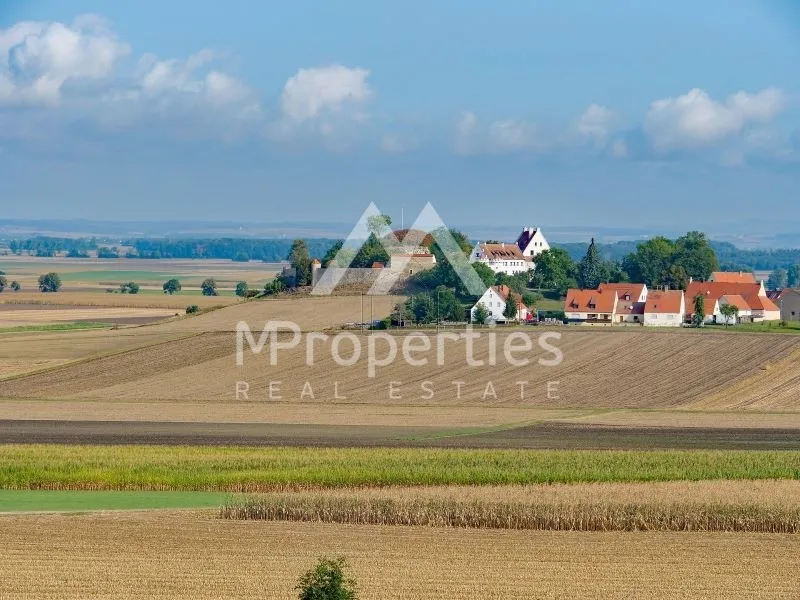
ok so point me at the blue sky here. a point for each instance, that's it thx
(630, 114)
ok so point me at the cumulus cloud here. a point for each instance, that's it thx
(37, 59)
(313, 92)
(695, 119)
(465, 129)
(597, 123)
(510, 135)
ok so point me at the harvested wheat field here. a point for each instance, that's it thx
(189, 555)
(599, 370)
(16, 318)
(97, 299)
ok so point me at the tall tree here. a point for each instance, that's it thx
(650, 262)
(3, 281)
(590, 269)
(173, 286)
(209, 287)
(695, 255)
(793, 276)
(778, 279)
(300, 261)
(50, 282)
(554, 270)
(699, 310)
(378, 225)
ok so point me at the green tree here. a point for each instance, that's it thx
(50, 282)
(590, 269)
(422, 308)
(510, 310)
(15, 286)
(242, 288)
(554, 270)
(378, 225)
(650, 262)
(274, 287)
(481, 314)
(531, 299)
(3, 281)
(241, 257)
(173, 286)
(192, 309)
(793, 276)
(129, 288)
(675, 278)
(699, 317)
(730, 312)
(695, 255)
(300, 260)
(209, 287)
(778, 279)
(448, 307)
(327, 581)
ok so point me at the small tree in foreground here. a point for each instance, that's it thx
(327, 581)
(129, 288)
(510, 311)
(481, 315)
(192, 309)
(50, 282)
(15, 286)
(699, 310)
(730, 312)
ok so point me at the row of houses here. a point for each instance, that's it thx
(633, 303)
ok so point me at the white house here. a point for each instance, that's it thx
(531, 242)
(745, 312)
(591, 307)
(631, 298)
(501, 258)
(665, 308)
(494, 300)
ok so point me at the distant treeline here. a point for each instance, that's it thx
(730, 257)
(50, 246)
(237, 249)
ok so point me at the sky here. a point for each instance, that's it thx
(626, 113)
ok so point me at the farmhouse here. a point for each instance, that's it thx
(501, 258)
(761, 308)
(745, 313)
(495, 299)
(512, 258)
(631, 298)
(665, 308)
(591, 307)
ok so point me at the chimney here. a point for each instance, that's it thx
(691, 279)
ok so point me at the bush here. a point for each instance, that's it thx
(192, 309)
(129, 288)
(172, 286)
(242, 289)
(209, 287)
(15, 286)
(327, 581)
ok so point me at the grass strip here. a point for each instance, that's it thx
(515, 515)
(70, 501)
(241, 469)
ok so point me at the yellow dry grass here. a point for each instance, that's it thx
(17, 318)
(775, 386)
(191, 556)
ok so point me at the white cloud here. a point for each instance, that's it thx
(510, 135)
(597, 123)
(313, 92)
(465, 130)
(393, 144)
(695, 119)
(37, 59)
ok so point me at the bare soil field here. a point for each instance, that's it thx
(36, 316)
(544, 436)
(191, 555)
(610, 370)
(82, 299)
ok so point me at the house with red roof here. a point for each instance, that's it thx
(761, 308)
(591, 307)
(732, 277)
(665, 308)
(495, 299)
(631, 298)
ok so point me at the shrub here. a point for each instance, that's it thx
(172, 286)
(15, 286)
(242, 289)
(209, 287)
(129, 288)
(192, 309)
(327, 581)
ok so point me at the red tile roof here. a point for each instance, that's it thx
(733, 277)
(668, 301)
(712, 291)
(502, 251)
(635, 290)
(590, 301)
(737, 301)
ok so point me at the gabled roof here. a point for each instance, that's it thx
(664, 302)
(501, 252)
(732, 277)
(736, 300)
(762, 303)
(591, 301)
(712, 291)
(629, 307)
(525, 237)
(635, 290)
